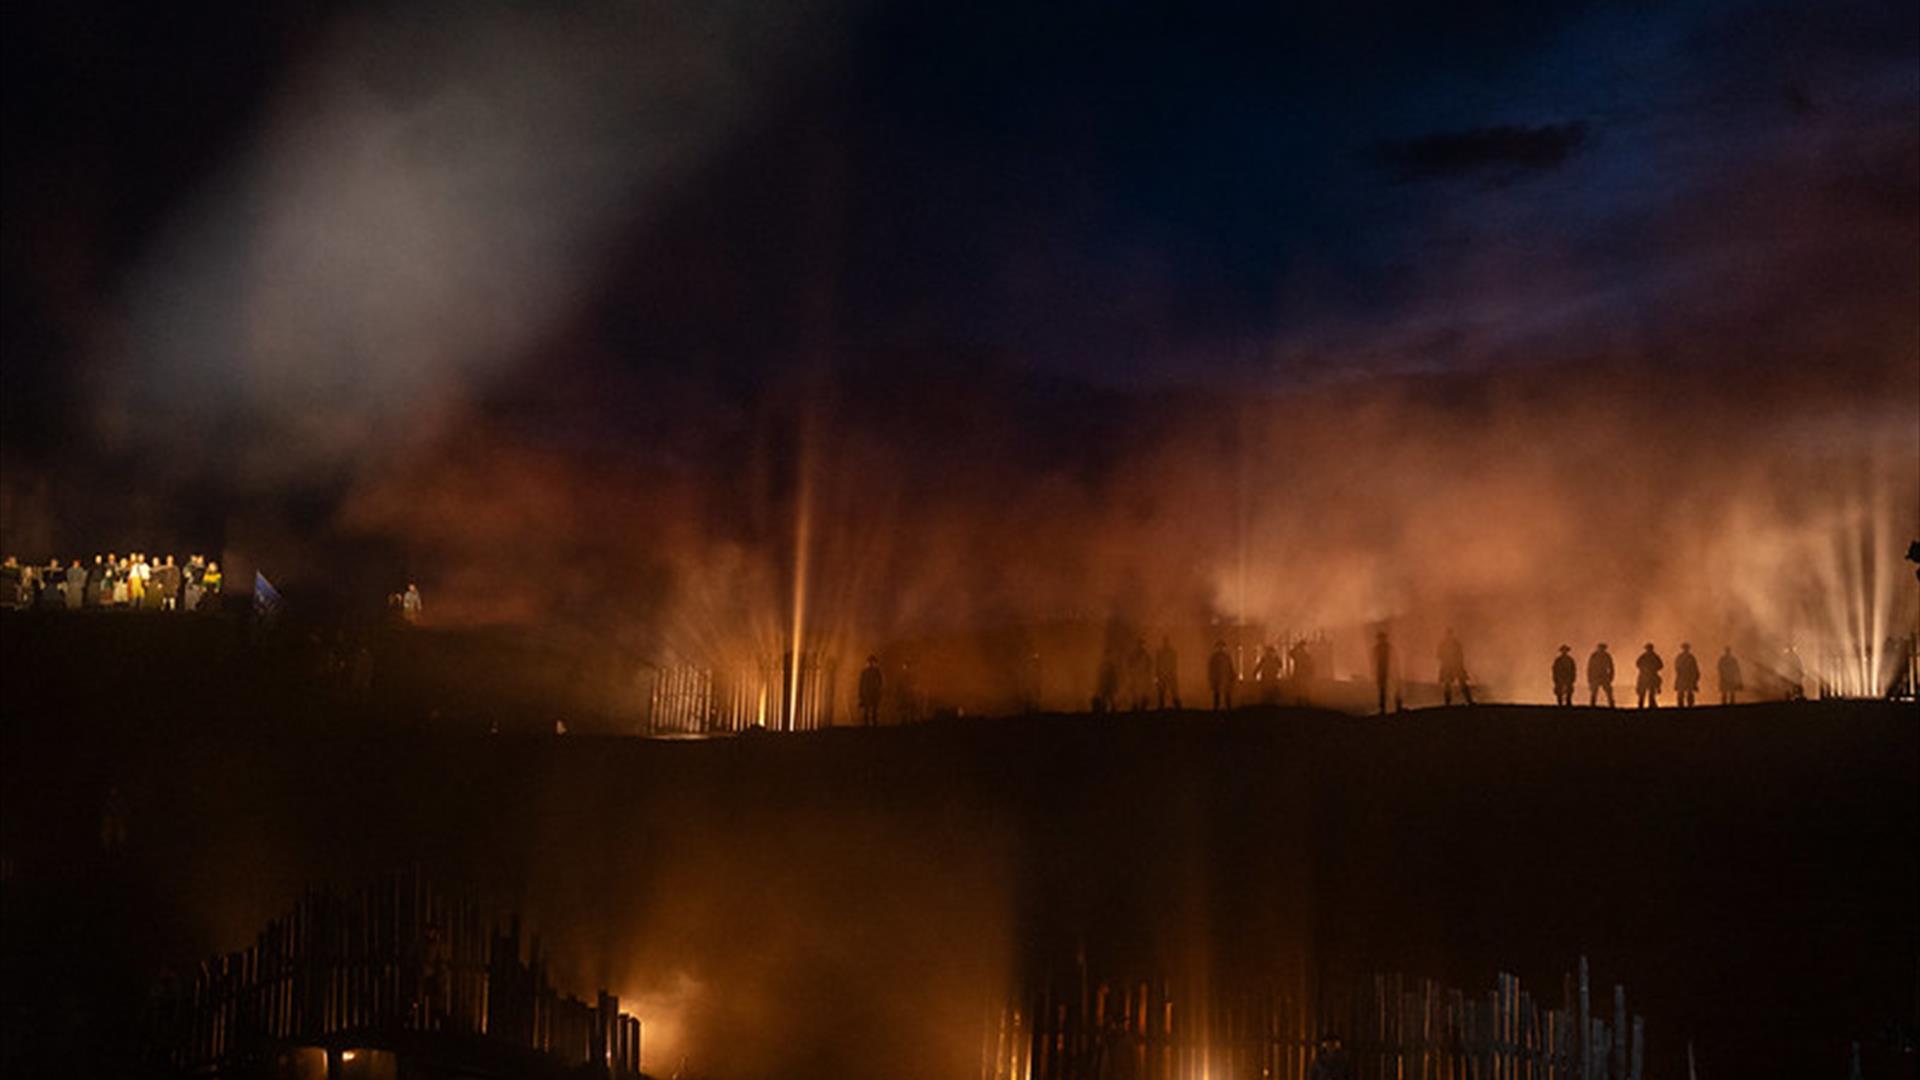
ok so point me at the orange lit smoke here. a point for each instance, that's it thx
(1523, 510)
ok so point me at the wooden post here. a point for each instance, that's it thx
(1639, 1044)
(1617, 1066)
(1586, 1025)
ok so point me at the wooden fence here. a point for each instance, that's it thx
(1148, 1030)
(1393, 1028)
(398, 956)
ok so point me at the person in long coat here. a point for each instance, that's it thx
(1730, 681)
(156, 586)
(1600, 675)
(99, 591)
(76, 586)
(1647, 686)
(1266, 675)
(871, 683)
(1686, 676)
(1220, 676)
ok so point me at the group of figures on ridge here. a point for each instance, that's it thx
(132, 581)
(1649, 666)
(1648, 680)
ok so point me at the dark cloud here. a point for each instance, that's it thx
(1500, 152)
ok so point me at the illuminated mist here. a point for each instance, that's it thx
(1522, 510)
(388, 303)
(391, 298)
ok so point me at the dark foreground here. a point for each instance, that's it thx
(848, 903)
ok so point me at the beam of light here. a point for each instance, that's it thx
(1828, 583)
(802, 525)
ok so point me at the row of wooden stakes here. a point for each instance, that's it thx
(1388, 1027)
(396, 957)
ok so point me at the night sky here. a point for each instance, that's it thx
(681, 339)
(247, 250)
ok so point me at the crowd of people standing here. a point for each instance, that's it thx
(134, 581)
(1142, 679)
(1786, 676)
(1649, 679)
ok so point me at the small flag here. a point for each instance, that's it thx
(266, 598)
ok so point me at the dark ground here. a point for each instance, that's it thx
(847, 898)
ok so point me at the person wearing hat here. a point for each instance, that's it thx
(1565, 671)
(1600, 675)
(1647, 686)
(1686, 676)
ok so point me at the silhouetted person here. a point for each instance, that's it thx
(1730, 684)
(1565, 674)
(1453, 669)
(1302, 659)
(1166, 674)
(1600, 676)
(1139, 676)
(1382, 666)
(1686, 676)
(1220, 676)
(871, 683)
(1330, 1061)
(1795, 675)
(97, 582)
(1646, 686)
(1266, 675)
